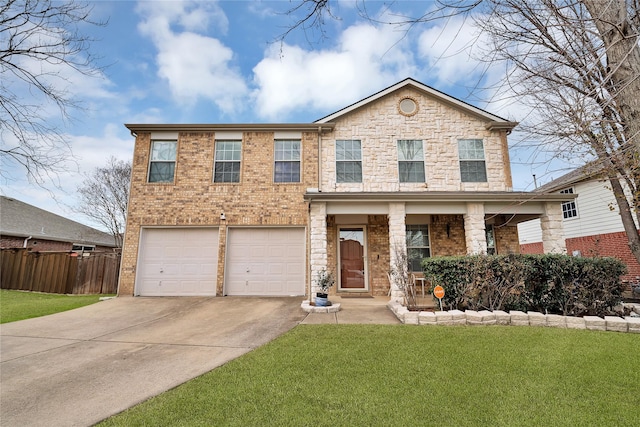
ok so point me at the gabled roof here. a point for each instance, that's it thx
(583, 173)
(23, 220)
(493, 121)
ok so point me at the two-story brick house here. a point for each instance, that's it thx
(260, 209)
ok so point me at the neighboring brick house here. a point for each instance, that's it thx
(260, 209)
(26, 226)
(592, 223)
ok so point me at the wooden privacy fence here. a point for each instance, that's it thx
(59, 272)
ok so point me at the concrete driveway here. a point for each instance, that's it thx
(81, 366)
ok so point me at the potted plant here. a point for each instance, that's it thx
(324, 281)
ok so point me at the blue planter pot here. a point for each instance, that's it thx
(321, 302)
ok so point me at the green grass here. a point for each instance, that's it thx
(362, 375)
(17, 305)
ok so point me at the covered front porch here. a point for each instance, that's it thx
(360, 237)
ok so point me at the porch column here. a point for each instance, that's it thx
(318, 242)
(474, 229)
(552, 231)
(397, 243)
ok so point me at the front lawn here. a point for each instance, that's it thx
(398, 375)
(17, 305)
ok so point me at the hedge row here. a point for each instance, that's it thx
(555, 284)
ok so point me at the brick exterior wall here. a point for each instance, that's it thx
(378, 254)
(610, 244)
(447, 235)
(193, 199)
(35, 244)
(507, 240)
(532, 248)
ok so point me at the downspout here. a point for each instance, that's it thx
(26, 241)
(319, 158)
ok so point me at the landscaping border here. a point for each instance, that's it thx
(516, 318)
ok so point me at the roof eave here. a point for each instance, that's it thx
(256, 127)
(437, 196)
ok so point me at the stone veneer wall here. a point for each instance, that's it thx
(552, 232)
(193, 199)
(379, 125)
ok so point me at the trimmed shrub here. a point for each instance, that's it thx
(557, 284)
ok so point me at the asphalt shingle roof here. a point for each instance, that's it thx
(23, 220)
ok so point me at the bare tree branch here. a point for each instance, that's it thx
(576, 63)
(104, 195)
(40, 44)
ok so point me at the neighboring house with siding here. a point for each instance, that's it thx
(591, 222)
(26, 226)
(261, 209)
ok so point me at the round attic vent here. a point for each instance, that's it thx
(408, 106)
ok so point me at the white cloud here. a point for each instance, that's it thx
(194, 65)
(447, 49)
(365, 59)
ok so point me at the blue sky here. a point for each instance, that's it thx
(217, 62)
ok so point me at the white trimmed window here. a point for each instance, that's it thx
(287, 161)
(162, 164)
(417, 245)
(569, 209)
(227, 161)
(410, 160)
(472, 164)
(348, 161)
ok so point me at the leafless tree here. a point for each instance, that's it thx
(575, 62)
(104, 195)
(40, 46)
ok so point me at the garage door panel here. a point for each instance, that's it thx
(177, 262)
(265, 261)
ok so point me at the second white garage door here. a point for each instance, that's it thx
(265, 261)
(177, 262)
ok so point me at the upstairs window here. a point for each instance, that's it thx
(348, 161)
(287, 161)
(227, 161)
(417, 245)
(410, 161)
(472, 164)
(569, 209)
(162, 165)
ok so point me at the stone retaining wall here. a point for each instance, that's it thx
(516, 318)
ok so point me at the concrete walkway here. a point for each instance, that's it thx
(356, 310)
(79, 367)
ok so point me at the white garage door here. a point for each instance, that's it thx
(265, 261)
(177, 262)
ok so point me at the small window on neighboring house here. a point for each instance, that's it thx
(162, 165)
(472, 164)
(569, 208)
(417, 245)
(491, 240)
(227, 161)
(348, 161)
(287, 161)
(410, 161)
(82, 248)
